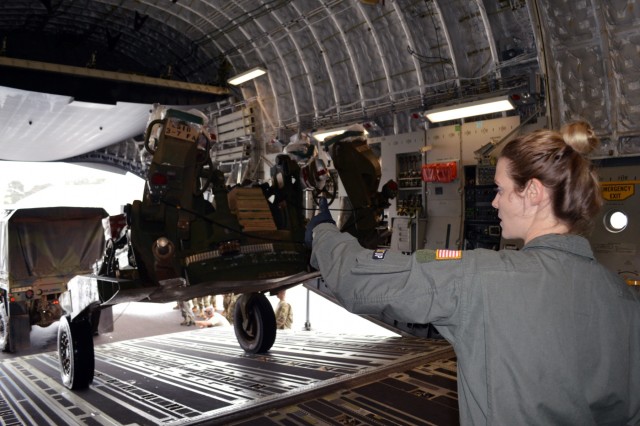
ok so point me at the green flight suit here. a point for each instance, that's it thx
(543, 335)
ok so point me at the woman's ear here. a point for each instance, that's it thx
(536, 192)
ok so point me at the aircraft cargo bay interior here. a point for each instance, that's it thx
(319, 212)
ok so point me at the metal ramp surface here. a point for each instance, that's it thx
(203, 377)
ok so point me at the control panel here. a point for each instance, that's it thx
(481, 223)
(409, 178)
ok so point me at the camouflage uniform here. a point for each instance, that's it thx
(187, 312)
(284, 315)
(229, 304)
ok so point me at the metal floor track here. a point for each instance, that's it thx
(203, 377)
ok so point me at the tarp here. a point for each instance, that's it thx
(47, 242)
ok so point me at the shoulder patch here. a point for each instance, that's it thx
(442, 254)
(429, 255)
(379, 254)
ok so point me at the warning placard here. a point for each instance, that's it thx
(618, 191)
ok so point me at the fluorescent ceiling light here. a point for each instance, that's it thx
(247, 75)
(471, 109)
(323, 134)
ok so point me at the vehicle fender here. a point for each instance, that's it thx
(81, 295)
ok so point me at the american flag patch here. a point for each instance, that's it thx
(442, 254)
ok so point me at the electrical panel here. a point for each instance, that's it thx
(444, 215)
(409, 179)
(481, 222)
(408, 234)
(485, 173)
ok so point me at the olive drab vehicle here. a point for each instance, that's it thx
(175, 244)
(40, 250)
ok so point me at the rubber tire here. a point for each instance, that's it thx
(4, 327)
(260, 332)
(75, 353)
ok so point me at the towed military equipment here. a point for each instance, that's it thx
(176, 243)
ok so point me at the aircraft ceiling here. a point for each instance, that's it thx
(329, 63)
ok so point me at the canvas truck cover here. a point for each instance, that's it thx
(38, 245)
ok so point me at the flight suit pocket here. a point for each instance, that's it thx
(381, 262)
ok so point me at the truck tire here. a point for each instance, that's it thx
(76, 353)
(255, 328)
(4, 327)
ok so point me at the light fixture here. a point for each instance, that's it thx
(471, 109)
(616, 221)
(247, 75)
(323, 134)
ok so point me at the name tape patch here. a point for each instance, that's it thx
(379, 254)
(442, 254)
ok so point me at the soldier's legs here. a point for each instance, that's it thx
(186, 309)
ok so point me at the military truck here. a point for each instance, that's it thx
(41, 249)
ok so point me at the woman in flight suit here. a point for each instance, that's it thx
(543, 335)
